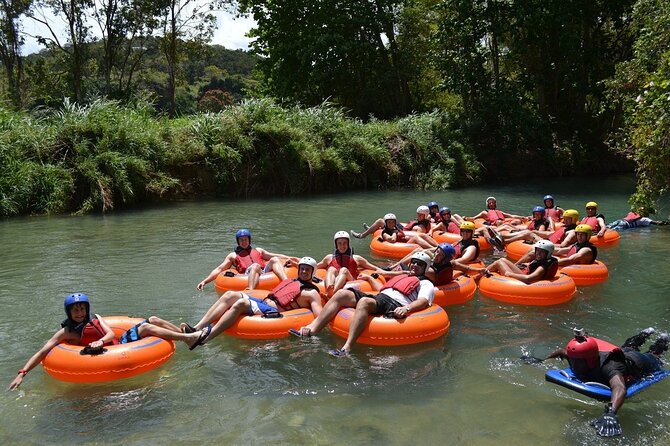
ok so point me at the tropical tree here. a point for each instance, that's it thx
(11, 41)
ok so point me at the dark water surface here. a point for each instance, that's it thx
(467, 388)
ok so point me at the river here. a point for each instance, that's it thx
(467, 388)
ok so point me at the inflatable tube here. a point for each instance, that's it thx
(422, 326)
(544, 292)
(599, 391)
(517, 249)
(231, 280)
(259, 327)
(64, 362)
(448, 237)
(586, 275)
(388, 250)
(611, 237)
(458, 291)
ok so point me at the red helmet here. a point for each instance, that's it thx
(583, 348)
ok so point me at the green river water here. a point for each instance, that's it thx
(467, 388)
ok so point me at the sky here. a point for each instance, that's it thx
(230, 32)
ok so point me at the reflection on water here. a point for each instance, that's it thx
(467, 388)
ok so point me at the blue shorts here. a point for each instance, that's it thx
(257, 306)
(132, 334)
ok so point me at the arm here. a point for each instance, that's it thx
(482, 214)
(618, 386)
(575, 258)
(59, 336)
(108, 336)
(227, 263)
(268, 255)
(603, 227)
(324, 262)
(528, 278)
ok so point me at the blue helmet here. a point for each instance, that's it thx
(445, 210)
(538, 209)
(243, 233)
(76, 298)
(432, 204)
(448, 250)
(548, 197)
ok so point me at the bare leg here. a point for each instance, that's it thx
(254, 276)
(343, 298)
(277, 267)
(342, 277)
(364, 307)
(162, 331)
(219, 308)
(228, 318)
(423, 240)
(378, 224)
(503, 266)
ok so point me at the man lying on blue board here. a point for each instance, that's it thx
(613, 368)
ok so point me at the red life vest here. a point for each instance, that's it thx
(247, 257)
(576, 247)
(346, 260)
(453, 228)
(92, 332)
(425, 224)
(403, 283)
(591, 221)
(632, 216)
(553, 214)
(493, 215)
(444, 274)
(288, 291)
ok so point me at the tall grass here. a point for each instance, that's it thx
(104, 156)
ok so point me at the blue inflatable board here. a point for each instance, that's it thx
(600, 391)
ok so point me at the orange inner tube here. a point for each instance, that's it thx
(611, 237)
(544, 292)
(259, 327)
(458, 291)
(585, 275)
(231, 280)
(119, 361)
(517, 249)
(421, 326)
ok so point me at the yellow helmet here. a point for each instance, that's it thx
(592, 204)
(572, 213)
(467, 226)
(586, 229)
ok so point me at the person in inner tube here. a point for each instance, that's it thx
(614, 368)
(92, 332)
(250, 261)
(290, 294)
(636, 219)
(544, 267)
(494, 216)
(398, 298)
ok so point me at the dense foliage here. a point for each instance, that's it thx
(103, 156)
(506, 87)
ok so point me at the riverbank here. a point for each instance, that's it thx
(105, 156)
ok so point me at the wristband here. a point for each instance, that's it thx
(23, 372)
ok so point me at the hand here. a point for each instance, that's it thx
(528, 359)
(201, 286)
(17, 382)
(608, 424)
(97, 345)
(401, 312)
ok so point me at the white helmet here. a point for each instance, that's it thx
(341, 234)
(423, 210)
(489, 199)
(422, 256)
(308, 261)
(546, 245)
(389, 216)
